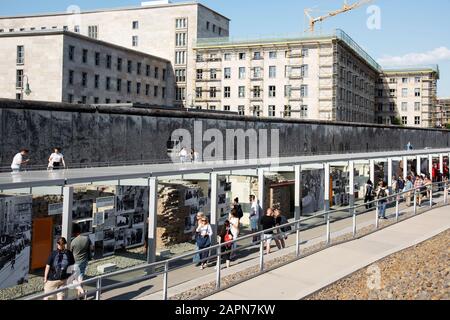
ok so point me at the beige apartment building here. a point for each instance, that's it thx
(442, 113)
(62, 66)
(407, 96)
(158, 28)
(326, 77)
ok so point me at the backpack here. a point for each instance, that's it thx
(284, 221)
(60, 265)
(240, 213)
(401, 185)
(382, 194)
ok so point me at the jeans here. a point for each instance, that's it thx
(382, 210)
(196, 258)
(81, 268)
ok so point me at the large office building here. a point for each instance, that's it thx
(327, 78)
(62, 66)
(407, 96)
(159, 28)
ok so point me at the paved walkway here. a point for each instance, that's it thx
(306, 276)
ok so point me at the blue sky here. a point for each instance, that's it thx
(411, 32)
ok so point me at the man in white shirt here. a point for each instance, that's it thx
(183, 155)
(254, 215)
(18, 160)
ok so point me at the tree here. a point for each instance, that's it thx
(396, 121)
(447, 126)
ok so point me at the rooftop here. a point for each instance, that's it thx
(337, 34)
(141, 7)
(413, 69)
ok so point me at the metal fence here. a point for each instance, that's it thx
(163, 268)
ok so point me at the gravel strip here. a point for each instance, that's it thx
(418, 273)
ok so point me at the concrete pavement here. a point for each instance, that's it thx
(306, 276)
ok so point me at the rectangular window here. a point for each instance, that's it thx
(417, 106)
(84, 79)
(108, 61)
(404, 121)
(198, 92)
(392, 92)
(287, 91)
(256, 111)
(180, 39)
(305, 52)
(119, 85)
(93, 32)
(241, 110)
(128, 86)
(139, 68)
(392, 106)
(242, 56)
(227, 57)
(272, 72)
(287, 111)
(119, 64)
(70, 98)
(207, 25)
(227, 92)
(417, 121)
(242, 73)
(199, 74)
(241, 92)
(404, 80)
(83, 99)
(304, 91)
(85, 56)
(108, 83)
(164, 74)
(226, 108)
(272, 91)
(20, 54)
(96, 100)
(417, 92)
(135, 25)
(257, 73)
(257, 55)
(405, 93)
(76, 29)
(71, 76)
(155, 91)
(180, 75)
(180, 94)
(18, 96)
(271, 111)
(304, 111)
(156, 73)
(134, 41)
(272, 55)
(213, 74)
(163, 92)
(180, 57)
(181, 23)
(138, 88)
(256, 92)
(304, 71)
(227, 73)
(404, 106)
(71, 53)
(147, 70)
(147, 89)
(129, 66)
(107, 100)
(97, 58)
(96, 81)
(19, 79)
(213, 92)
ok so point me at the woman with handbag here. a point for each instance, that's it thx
(204, 234)
(226, 236)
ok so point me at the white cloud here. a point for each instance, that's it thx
(410, 59)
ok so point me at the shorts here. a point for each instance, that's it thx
(55, 285)
(268, 238)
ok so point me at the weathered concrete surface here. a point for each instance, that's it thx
(90, 134)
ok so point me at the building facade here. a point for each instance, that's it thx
(63, 66)
(407, 96)
(442, 113)
(158, 28)
(323, 78)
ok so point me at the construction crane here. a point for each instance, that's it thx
(345, 8)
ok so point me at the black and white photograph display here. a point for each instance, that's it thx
(82, 209)
(15, 239)
(340, 186)
(312, 191)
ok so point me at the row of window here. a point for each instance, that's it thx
(256, 72)
(404, 106)
(256, 92)
(256, 110)
(393, 93)
(403, 80)
(108, 84)
(214, 28)
(256, 55)
(95, 100)
(119, 63)
(390, 120)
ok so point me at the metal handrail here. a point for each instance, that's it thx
(297, 228)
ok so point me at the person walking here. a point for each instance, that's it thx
(18, 160)
(226, 236)
(56, 160)
(183, 155)
(382, 194)
(204, 234)
(196, 258)
(254, 216)
(81, 248)
(281, 220)
(56, 274)
(418, 186)
(428, 183)
(408, 188)
(234, 228)
(13, 258)
(238, 208)
(369, 194)
(268, 222)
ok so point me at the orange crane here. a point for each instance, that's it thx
(345, 8)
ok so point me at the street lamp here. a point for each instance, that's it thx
(27, 86)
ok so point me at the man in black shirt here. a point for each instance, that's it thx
(56, 274)
(268, 222)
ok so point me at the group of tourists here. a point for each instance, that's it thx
(230, 231)
(55, 160)
(186, 156)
